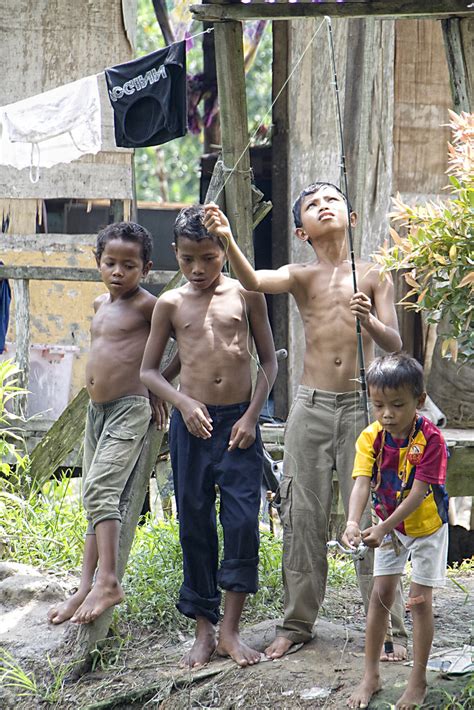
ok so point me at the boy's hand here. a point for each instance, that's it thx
(361, 305)
(352, 535)
(217, 223)
(243, 433)
(196, 417)
(159, 411)
(374, 535)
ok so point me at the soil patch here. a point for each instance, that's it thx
(141, 671)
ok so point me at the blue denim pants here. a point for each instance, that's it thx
(199, 465)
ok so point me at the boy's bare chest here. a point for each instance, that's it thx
(219, 315)
(328, 289)
(117, 322)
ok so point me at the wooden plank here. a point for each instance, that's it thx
(88, 635)
(307, 8)
(235, 140)
(63, 437)
(59, 273)
(82, 179)
(458, 40)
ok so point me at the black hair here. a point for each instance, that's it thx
(189, 224)
(127, 232)
(310, 190)
(394, 371)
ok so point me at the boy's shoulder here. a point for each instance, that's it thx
(429, 430)
(371, 431)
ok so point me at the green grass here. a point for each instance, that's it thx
(45, 529)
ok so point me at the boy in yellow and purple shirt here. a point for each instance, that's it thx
(401, 458)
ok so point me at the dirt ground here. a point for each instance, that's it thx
(142, 671)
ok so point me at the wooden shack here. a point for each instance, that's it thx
(44, 45)
(394, 62)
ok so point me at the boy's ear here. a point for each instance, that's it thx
(97, 260)
(421, 400)
(353, 219)
(147, 268)
(301, 234)
(173, 244)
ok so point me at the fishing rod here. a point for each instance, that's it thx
(388, 643)
(360, 349)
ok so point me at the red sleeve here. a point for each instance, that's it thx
(432, 467)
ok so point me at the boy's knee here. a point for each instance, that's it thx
(383, 594)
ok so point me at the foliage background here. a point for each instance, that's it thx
(171, 172)
(435, 247)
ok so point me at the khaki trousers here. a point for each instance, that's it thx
(320, 438)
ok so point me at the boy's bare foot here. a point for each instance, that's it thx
(361, 696)
(102, 596)
(230, 644)
(203, 647)
(66, 609)
(399, 654)
(278, 647)
(413, 697)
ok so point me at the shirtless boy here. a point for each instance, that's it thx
(326, 416)
(118, 414)
(214, 436)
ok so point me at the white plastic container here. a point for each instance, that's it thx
(50, 377)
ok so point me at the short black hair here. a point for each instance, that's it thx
(127, 232)
(189, 224)
(394, 371)
(310, 190)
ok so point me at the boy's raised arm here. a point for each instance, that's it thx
(263, 280)
(382, 327)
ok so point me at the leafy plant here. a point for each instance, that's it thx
(438, 249)
(13, 464)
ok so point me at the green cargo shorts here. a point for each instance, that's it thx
(114, 436)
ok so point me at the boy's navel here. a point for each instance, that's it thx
(338, 361)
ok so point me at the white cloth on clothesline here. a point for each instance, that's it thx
(57, 126)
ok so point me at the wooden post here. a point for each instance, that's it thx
(88, 635)
(234, 132)
(459, 42)
(21, 294)
(281, 216)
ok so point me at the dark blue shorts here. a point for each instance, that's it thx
(199, 465)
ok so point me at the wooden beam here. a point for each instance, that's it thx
(60, 273)
(21, 296)
(234, 131)
(216, 12)
(66, 433)
(458, 41)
